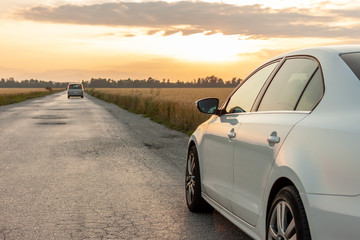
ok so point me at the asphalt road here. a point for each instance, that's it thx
(85, 169)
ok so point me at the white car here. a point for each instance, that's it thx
(281, 157)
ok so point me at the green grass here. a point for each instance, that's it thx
(177, 115)
(6, 99)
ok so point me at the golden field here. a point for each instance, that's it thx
(173, 107)
(15, 95)
(183, 95)
(21, 90)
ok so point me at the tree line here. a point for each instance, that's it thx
(207, 82)
(32, 83)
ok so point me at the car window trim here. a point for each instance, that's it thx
(281, 112)
(305, 87)
(263, 90)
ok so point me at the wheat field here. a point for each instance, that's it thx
(20, 90)
(15, 95)
(173, 107)
(181, 95)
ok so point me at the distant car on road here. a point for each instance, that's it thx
(280, 158)
(75, 89)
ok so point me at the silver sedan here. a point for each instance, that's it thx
(280, 158)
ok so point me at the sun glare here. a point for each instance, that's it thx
(204, 48)
(200, 47)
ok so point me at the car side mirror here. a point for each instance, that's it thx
(208, 105)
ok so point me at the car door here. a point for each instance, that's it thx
(262, 133)
(218, 141)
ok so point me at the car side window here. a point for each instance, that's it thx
(288, 85)
(312, 94)
(353, 61)
(243, 99)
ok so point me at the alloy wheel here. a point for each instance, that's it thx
(282, 223)
(190, 178)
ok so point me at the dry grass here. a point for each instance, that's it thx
(183, 95)
(15, 95)
(20, 90)
(173, 107)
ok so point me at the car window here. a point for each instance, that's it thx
(288, 85)
(75, 86)
(243, 99)
(353, 61)
(312, 94)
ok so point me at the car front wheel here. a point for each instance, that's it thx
(194, 200)
(287, 218)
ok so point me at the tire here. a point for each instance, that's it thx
(194, 201)
(68, 96)
(293, 223)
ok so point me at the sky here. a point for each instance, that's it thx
(71, 41)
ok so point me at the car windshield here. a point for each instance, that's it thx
(75, 86)
(353, 61)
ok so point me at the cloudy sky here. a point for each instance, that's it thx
(63, 40)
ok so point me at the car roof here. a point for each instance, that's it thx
(323, 50)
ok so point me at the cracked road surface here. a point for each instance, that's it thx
(85, 169)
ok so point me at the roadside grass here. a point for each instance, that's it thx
(15, 95)
(174, 108)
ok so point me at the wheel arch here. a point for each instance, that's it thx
(281, 182)
(277, 186)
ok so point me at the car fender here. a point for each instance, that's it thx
(197, 136)
(280, 176)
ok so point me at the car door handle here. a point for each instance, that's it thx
(232, 134)
(273, 138)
